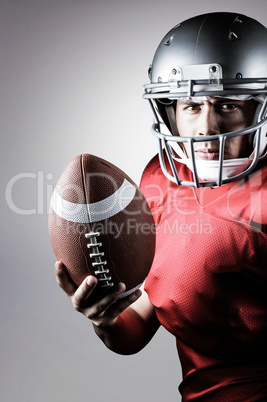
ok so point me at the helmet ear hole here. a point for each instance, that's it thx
(149, 71)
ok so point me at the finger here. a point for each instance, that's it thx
(96, 306)
(102, 315)
(64, 280)
(122, 304)
(83, 293)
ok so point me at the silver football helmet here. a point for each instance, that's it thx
(216, 54)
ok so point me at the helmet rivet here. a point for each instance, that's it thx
(213, 69)
(159, 79)
(238, 20)
(238, 75)
(168, 41)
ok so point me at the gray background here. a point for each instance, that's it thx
(71, 82)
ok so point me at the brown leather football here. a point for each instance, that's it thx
(100, 224)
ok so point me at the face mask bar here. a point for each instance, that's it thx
(173, 89)
(164, 140)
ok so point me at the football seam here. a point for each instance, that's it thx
(100, 272)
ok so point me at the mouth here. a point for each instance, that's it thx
(207, 154)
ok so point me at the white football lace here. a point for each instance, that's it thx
(101, 272)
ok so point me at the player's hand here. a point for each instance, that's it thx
(105, 311)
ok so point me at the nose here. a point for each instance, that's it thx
(209, 122)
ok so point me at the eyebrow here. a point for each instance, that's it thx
(183, 101)
(188, 102)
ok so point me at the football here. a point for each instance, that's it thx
(100, 224)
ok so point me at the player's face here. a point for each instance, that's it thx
(215, 116)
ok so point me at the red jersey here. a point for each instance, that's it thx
(208, 282)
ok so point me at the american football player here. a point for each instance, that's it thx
(206, 188)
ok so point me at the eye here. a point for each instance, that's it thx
(228, 106)
(192, 107)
